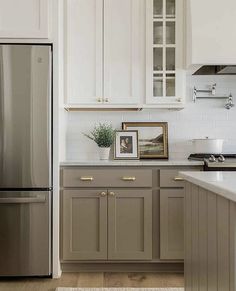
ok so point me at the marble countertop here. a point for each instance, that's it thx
(222, 183)
(184, 162)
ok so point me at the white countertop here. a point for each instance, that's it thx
(170, 162)
(222, 183)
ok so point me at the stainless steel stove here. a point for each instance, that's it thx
(216, 162)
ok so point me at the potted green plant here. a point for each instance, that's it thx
(103, 134)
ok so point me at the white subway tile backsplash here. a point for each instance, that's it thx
(197, 120)
(142, 116)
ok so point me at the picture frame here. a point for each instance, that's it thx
(153, 138)
(126, 145)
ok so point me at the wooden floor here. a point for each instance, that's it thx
(95, 280)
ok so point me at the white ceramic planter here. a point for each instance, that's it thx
(104, 153)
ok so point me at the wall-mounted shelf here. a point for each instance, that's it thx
(103, 107)
(140, 107)
(173, 106)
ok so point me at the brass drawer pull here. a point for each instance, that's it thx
(112, 193)
(129, 178)
(86, 179)
(178, 179)
(103, 194)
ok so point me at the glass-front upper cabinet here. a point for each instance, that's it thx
(165, 84)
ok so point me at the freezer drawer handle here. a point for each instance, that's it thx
(23, 200)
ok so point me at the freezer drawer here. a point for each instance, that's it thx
(25, 227)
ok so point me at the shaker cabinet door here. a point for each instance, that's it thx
(84, 224)
(130, 224)
(172, 224)
(122, 56)
(84, 51)
(103, 62)
(24, 19)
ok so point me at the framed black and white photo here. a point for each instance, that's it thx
(126, 145)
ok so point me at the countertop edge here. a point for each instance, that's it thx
(132, 163)
(212, 186)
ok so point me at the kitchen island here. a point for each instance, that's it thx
(210, 230)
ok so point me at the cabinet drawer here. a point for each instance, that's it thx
(107, 178)
(170, 178)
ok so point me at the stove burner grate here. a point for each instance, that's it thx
(202, 157)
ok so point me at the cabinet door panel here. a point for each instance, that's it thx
(122, 58)
(84, 51)
(172, 224)
(84, 225)
(130, 225)
(24, 19)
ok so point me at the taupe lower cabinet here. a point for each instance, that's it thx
(172, 214)
(172, 224)
(117, 217)
(107, 224)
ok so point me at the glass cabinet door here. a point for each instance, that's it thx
(162, 50)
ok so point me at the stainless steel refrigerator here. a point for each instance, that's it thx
(25, 159)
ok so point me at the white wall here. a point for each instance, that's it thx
(204, 118)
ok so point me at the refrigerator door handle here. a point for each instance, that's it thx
(23, 200)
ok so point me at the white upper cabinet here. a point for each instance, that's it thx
(122, 64)
(102, 53)
(24, 19)
(84, 51)
(165, 75)
(211, 37)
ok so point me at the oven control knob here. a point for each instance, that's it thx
(212, 159)
(221, 159)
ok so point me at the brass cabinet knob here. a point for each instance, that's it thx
(178, 179)
(87, 178)
(99, 100)
(106, 100)
(112, 193)
(103, 194)
(128, 178)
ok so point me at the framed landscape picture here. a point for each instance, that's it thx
(126, 145)
(153, 138)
